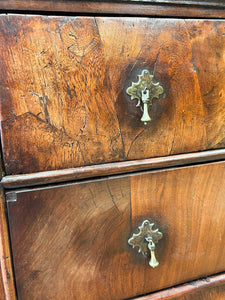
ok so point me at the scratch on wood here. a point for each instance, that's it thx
(44, 103)
(156, 60)
(136, 137)
(92, 197)
(85, 123)
(209, 92)
(112, 197)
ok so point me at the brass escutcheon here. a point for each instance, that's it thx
(145, 90)
(145, 240)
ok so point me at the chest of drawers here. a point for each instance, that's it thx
(84, 166)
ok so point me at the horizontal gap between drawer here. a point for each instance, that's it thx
(117, 168)
(11, 194)
(214, 280)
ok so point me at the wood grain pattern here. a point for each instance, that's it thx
(180, 2)
(7, 289)
(203, 9)
(204, 3)
(70, 242)
(49, 177)
(63, 100)
(210, 288)
(2, 292)
(1, 167)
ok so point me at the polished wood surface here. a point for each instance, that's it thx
(70, 242)
(179, 2)
(63, 99)
(2, 292)
(210, 288)
(204, 3)
(7, 289)
(203, 9)
(50, 177)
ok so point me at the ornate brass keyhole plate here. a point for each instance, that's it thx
(145, 240)
(145, 90)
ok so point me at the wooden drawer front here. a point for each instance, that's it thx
(71, 242)
(64, 81)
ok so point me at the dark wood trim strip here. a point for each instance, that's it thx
(113, 8)
(6, 273)
(217, 3)
(42, 178)
(188, 289)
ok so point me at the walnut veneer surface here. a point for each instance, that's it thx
(7, 288)
(66, 117)
(70, 242)
(64, 80)
(185, 8)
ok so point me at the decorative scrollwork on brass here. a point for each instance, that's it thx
(145, 90)
(145, 240)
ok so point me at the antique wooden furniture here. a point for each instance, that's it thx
(113, 136)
